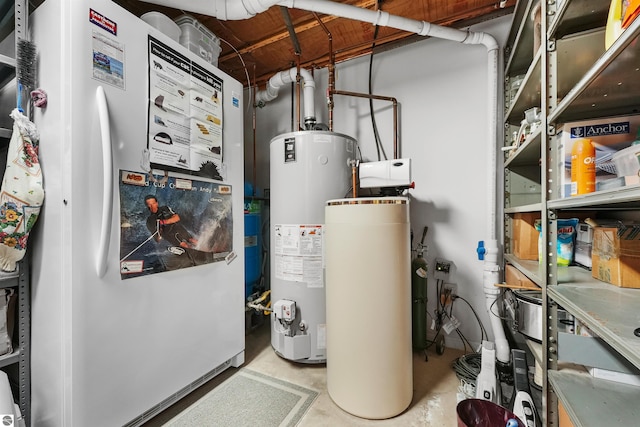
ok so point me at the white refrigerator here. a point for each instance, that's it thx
(120, 329)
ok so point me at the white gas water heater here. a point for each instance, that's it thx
(307, 169)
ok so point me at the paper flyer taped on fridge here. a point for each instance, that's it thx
(185, 113)
(172, 223)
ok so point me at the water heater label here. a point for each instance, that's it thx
(289, 150)
(298, 253)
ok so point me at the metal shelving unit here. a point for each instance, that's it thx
(591, 402)
(17, 363)
(573, 78)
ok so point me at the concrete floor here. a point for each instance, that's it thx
(434, 397)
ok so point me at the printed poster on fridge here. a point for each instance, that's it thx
(185, 114)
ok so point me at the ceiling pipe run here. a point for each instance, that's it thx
(244, 9)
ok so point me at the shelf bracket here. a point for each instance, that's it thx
(551, 45)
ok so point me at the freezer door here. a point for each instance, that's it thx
(106, 350)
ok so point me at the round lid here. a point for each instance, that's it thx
(529, 296)
(397, 200)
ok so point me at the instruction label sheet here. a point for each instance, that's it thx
(185, 114)
(298, 253)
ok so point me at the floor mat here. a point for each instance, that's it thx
(248, 398)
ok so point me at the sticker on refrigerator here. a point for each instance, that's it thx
(172, 224)
(299, 254)
(103, 22)
(107, 60)
(131, 267)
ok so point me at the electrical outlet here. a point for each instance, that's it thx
(442, 269)
(443, 266)
(447, 292)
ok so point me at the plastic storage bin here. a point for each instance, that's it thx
(627, 161)
(162, 23)
(198, 39)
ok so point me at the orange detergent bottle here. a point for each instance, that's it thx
(583, 167)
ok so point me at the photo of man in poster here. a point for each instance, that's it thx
(163, 222)
(171, 225)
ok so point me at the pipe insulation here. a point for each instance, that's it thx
(284, 78)
(244, 9)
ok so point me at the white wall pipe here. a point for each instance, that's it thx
(491, 276)
(384, 19)
(233, 9)
(221, 9)
(286, 77)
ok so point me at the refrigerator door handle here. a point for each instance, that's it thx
(107, 180)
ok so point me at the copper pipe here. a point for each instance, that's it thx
(354, 179)
(381, 98)
(255, 169)
(298, 93)
(331, 67)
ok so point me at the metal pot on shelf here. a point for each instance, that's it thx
(524, 314)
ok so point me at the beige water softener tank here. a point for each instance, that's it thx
(368, 294)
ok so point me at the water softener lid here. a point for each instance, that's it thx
(369, 201)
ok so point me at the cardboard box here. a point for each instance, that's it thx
(563, 416)
(582, 329)
(616, 255)
(609, 135)
(524, 239)
(515, 279)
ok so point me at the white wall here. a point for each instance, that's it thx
(441, 88)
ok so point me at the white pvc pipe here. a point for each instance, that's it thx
(384, 19)
(287, 77)
(221, 9)
(243, 9)
(491, 276)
